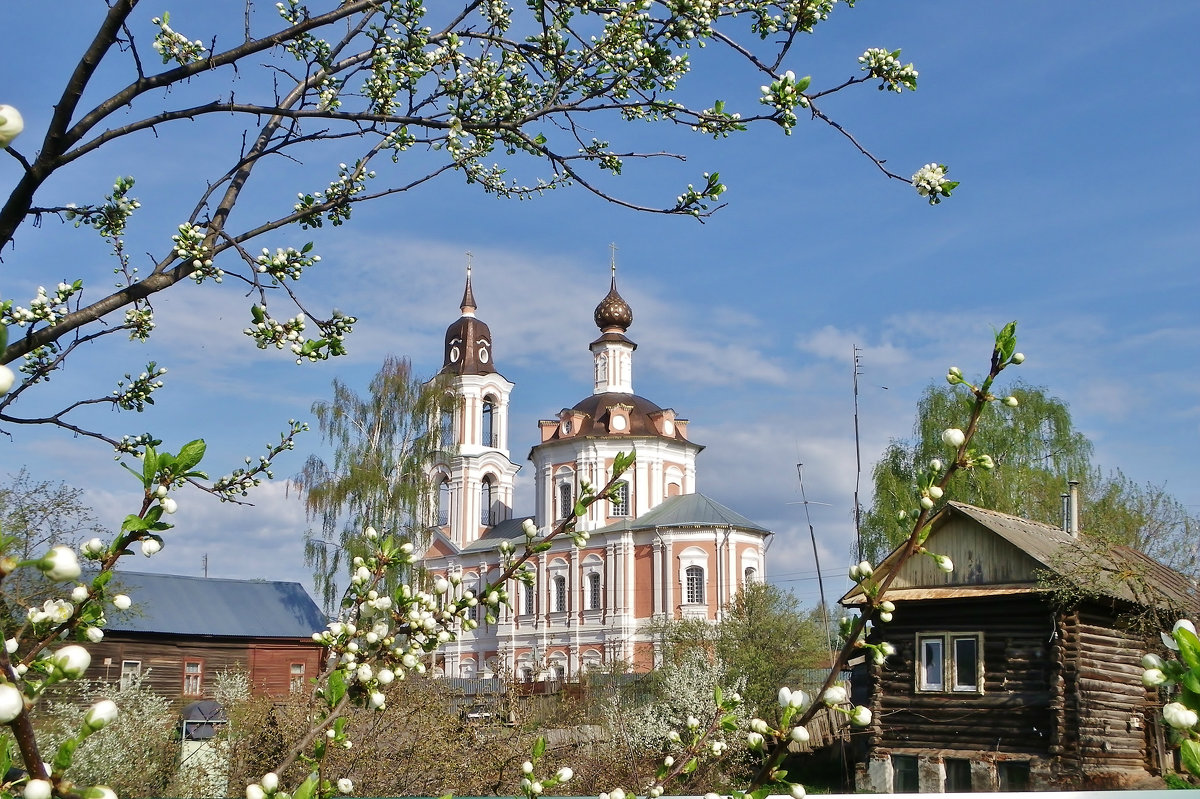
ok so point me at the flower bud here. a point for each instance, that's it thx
(1152, 661)
(377, 700)
(926, 503)
(1152, 678)
(98, 792)
(834, 695)
(953, 437)
(11, 125)
(94, 634)
(12, 702)
(38, 789)
(122, 602)
(935, 465)
(168, 505)
(151, 547)
(1018, 358)
(527, 767)
(860, 716)
(79, 594)
(564, 774)
(887, 606)
(270, 782)
(935, 492)
(385, 676)
(255, 791)
(60, 564)
(529, 528)
(93, 548)
(754, 740)
(72, 661)
(944, 563)
(345, 785)
(758, 725)
(799, 735)
(100, 715)
(1011, 401)
(1179, 716)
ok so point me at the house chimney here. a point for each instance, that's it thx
(1073, 488)
(1066, 512)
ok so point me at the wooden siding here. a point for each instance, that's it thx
(980, 558)
(1013, 714)
(162, 659)
(1105, 705)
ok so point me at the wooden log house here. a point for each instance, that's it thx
(181, 631)
(1000, 684)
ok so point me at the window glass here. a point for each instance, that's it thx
(528, 598)
(593, 591)
(1014, 776)
(485, 502)
(958, 775)
(193, 676)
(560, 593)
(296, 677)
(620, 501)
(564, 499)
(904, 774)
(489, 437)
(443, 509)
(130, 671)
(695, 585)
(966, 664)
(932, 663)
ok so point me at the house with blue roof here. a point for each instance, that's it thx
(180, 631)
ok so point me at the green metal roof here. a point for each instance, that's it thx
(686, 510)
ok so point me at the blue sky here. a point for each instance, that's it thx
(1072, 128)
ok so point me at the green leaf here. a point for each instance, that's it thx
(539, 139)
(3, 336)
(133, 523)
(190, 455)
(65, 754)
(1189, 648)
(539, 747)
(691, 766)
(306, 789)
(1189, 754)
(102, 579)
(149, 466)
(337, 687)
(5, 753)
(1191, 681)
(803, 83)
(717, 695)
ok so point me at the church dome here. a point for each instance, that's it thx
(613, 314)
(468, 347)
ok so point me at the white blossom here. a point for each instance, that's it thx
(72, 661)
(953, 437)
(150, 547)
(11, 125)
(12, 702)
(1182, 624)
(834, 695)
(270, 782)
(860, 716)
(100, 715)
(1179, 716)
(60, 564)
(122, 602)
(38, 789)
(345, 785)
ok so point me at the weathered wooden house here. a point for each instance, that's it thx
(181, 631)
(1000, 684)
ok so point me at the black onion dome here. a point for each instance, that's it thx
(468, 347)
(613, 313)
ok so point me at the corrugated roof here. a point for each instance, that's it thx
(1117, 571)
(686, 510)
(177, 605)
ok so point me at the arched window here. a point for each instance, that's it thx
(750, 575)
(447, 426)
(528, 605)
(593, 584)
(489, 411)
(443, 503)
(485, 502)
(565, 499)
(694, 578)
(560, 593)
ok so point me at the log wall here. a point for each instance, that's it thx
(1015, 711)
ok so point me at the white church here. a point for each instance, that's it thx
(657, 551)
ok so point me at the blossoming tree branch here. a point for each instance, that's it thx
(384, 634)
(388, 96)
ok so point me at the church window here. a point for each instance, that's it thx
(750, 574)
(566, 501)
(528, 605)
(443, 503)
(490, 439)
(593, 583)
(620, 500)
(601, 368)
(694, 585)
(447, 426)
(560, 593)
(486, 517)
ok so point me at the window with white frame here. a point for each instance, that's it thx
(487, 423)
(950, 662)
(593, 591)
(620, 499)
(486, 517)
(560, 593)
(193, 677)
(131, 670)
(694, 585)
(527, 606)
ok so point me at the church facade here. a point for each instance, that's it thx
(658, 550)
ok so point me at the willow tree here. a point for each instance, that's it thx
(382, 443)
(1036, 449)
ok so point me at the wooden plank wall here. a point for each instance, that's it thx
(1014, 713)
(1104, 700)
